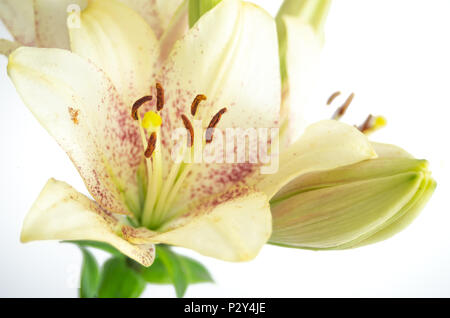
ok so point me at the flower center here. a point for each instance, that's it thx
(370, 125)
(161, 191)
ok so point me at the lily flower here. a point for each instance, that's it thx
(113, 105)
(349, 206)
(44, 23)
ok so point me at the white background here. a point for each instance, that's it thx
(395, 56)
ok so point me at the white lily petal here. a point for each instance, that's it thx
(157, 13)
(6, 47)
(233, 226)
(121, 43)
(51, 19)
(81, 109)
(178, 26)
(230, 56)
(18, 17)
(62, 213)
(325, 145)
(302, 58)
(390, 151)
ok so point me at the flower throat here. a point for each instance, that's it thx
(161, 192)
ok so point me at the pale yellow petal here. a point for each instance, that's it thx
(157, 13)
(233, 226)
(177, 28)
(6, 47)
(51, 20)
(18, 17)
(62, 213)
(231, 56)
(390, 151)
(302, 60)
(81, 109)
(121, 43)
(325, 145)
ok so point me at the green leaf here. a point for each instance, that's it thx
(118, 280)
(195, 271)
(179, 270)
(174, 268)
(197, 8)
(89, 275)
(98, 245)
(157, 273)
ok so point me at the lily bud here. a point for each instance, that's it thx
(354, 205)
(312, 13)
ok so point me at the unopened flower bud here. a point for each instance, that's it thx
(354, 205)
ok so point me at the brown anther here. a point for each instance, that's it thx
(341, 110)
(198, 99)
(159, 96)
(333, 97)
(213, 123)
(367, 125)
(151, 145)
(137, 104)
(188, 125)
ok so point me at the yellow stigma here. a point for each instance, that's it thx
(376, 123)
(380, 122)
(151, 119)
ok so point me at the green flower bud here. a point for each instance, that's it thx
(312, 12)
(354, 205)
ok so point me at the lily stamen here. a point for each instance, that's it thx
(371, 124)
(188, 125)
(137, 104)
(151, 145)
(342, 110)
(214, 121)
(333, 97)
(198, 99)
(160, 97)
